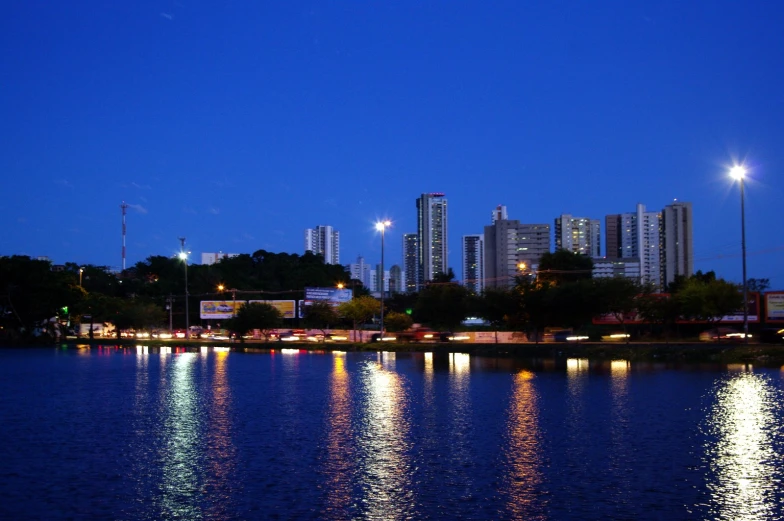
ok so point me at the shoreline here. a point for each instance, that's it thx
(689, 352)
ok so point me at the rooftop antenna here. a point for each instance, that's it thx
(123, 207)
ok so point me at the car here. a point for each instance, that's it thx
(568, 336)
(722, 334)
(616, 337)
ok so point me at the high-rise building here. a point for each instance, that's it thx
(499, 214)
(474, 263)
(508, 243)
(578, 235)
(637, 235)
(360, 271)
(396, 283)
(212, 258)
(432, 236)
(325, 241)
(678, 251)
(410, 264)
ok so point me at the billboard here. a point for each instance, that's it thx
(752, 310)
(333, 295)
(284, 307)
(774, 307)
(219, 309)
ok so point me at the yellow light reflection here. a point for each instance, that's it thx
(576, 365)
(340, 464)
(523, 476)
(383, 443)
(743, 463)
(222, 454)
(459, 362)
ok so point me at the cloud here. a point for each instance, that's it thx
(141, 187)
(167, 16)
(213, 210)
(139, 208)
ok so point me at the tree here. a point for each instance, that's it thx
(498, 306)
(537, 307)
(617, 296)
(320, 315)
(136, 314)
(564, 266)
(442, 305)
(709, 299)
(759, 285)
(660, 309)
(359, 310)
(394, 321)
(255, 315)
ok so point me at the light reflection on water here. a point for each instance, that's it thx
(384, 473)
(743, 453)
(339, 464)
(182, 447)
(523, 476)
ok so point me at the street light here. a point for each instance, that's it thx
(81, 270)
(381, 226)
(738, 172)
(184, 258)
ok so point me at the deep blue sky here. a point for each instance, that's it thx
(240, 124)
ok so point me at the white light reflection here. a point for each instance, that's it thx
(523, 477)
(621, 445)
(384, 446)
(576, 365)
(181, 450)
(741, 454)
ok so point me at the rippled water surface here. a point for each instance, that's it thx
(136, 433)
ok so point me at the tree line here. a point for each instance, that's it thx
(152, 292)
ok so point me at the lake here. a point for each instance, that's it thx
(155, 433)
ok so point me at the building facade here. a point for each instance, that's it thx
(432, 247)
(410, 263)
(324, 240)
(637, 235)
(396, 281)
(212, 258)
(578, 234)
(473, 254)
(510, 243)
(678, 251)
(604, 267)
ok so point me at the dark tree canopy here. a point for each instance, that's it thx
(564, 266)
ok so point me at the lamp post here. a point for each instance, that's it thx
(381, 226)
(81, 270)
(738, 172)
(184, 258)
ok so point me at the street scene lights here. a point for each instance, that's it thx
(184, 258)
(738, 172)
(382, 226)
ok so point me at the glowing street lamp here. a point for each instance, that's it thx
(738, 172)
(81, 270)
(382, 226)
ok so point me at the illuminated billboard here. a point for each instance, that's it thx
(333, 295)
(219, 309)
(284, 307)
(774, 307)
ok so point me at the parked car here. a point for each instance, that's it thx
(722, 334)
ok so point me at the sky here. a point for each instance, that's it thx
(238, 125)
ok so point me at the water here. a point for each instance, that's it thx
(126, 433)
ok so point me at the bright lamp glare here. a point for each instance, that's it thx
(737, 172)
(383, 224)
(183, 255)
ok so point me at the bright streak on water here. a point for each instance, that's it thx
(744, 449)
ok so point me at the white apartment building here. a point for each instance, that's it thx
(324, 240)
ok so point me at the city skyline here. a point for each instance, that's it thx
(240, 127)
